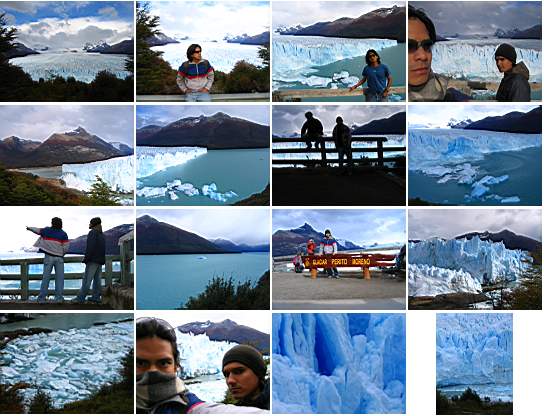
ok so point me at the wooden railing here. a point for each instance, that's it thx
(309, 93)
(25, 277)
(255, 96)
(379, 149)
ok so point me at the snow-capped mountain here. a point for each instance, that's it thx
(112, 235)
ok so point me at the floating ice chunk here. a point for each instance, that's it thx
(511, 200)
(173, 195)
(478, 190)
(211, 192)
(151, 192)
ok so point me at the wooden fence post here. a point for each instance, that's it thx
(24, 280)
(109, 272)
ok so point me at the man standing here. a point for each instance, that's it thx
(423, 83)
(378, 77)
(53, 243)
(245, 373)
(158, 389)
(195, 76)
(515, 82)
(328, 247)
(312, 130)
(95, 257)
(341, 135)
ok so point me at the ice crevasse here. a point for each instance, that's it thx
(338, 363)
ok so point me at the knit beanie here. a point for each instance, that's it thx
(95, 221)
(248, 356)
(507, 51)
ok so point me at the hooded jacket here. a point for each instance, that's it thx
(515, 85)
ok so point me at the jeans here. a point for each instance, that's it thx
(93, 273)
(48, 263)
(375, 98)
(197, 96)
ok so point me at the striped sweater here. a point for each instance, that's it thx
(52, 241)
(194, 76)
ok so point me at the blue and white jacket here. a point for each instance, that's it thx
(328, 246)
(52, 241)
(194, 76)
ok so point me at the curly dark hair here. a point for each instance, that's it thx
(372, 51)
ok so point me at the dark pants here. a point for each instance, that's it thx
(319, 144)
(347, 152)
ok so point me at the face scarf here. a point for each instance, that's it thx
(154, 388)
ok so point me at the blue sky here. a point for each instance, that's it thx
(38, 122)
(249, 226)
(61, 25)
(362, 226)
(162, 115)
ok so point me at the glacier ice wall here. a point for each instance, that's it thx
(475, 59)
(82, 66)
(221, 55)
(432, 147)
(293, 55)
(150, 160)
(473, 349)
(338, 363)
(68, 364)
(460, 265)
(116, 172)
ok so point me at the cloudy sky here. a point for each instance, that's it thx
(249, 226)
(479, 17)
(259, 320)
(289, 119)
(361, 226)
(38, 122)
(306, 13)
(211, 20)
(162, 115)
(69, 24)
(449, 223)
(439, 115)
(14, 221)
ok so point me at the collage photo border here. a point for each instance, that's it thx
(420, 326)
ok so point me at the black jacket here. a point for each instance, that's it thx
(312, 128)
(95, 252)
(515, 85)
(262, 401)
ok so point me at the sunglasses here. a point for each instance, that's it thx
(414, 45)
(199, 51)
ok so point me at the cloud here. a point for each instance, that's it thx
(111, 123)
(30, 7)
(449, 223)
(108, 11)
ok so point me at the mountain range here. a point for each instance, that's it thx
(534, 32)
(125, 47)
(230, 331)
(396, 124)
(510, 239)
(385, 23)
(288, 242)
(219, 131)
(78, 245)
(156, 237)
(77, 146)
(513, 122)
(160, 39)
(245, 39)
(19, 51)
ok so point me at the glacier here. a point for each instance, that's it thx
(150, 160)
(221, 55)
(338, 363)
(473, 350)
(432, 148)
(116, 172)
(67, 364)
(474, 59)
(439, 266)
(294, 56)
(82, 66)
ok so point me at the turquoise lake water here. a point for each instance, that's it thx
(167, 281)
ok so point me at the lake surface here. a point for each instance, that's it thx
(82, 66)
(167, 281)
(64, 321)
(243, 171)
(524, 168)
